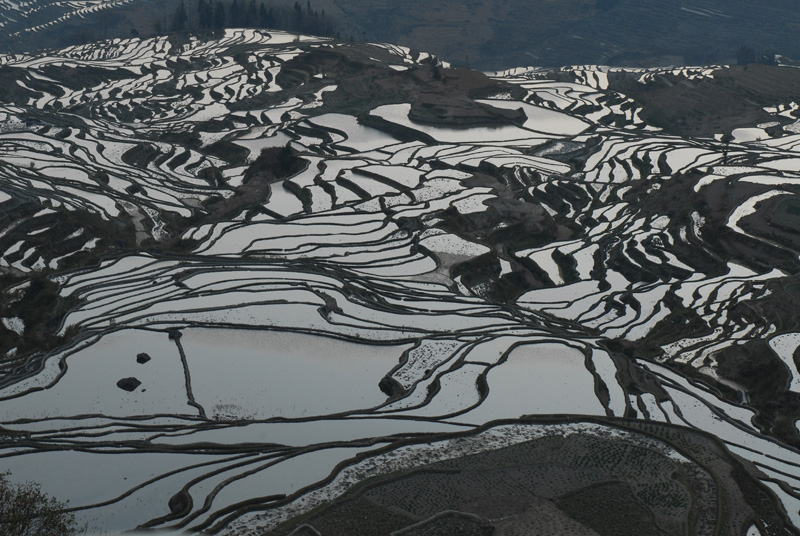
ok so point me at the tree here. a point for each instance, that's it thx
(236, 16)
(727, 138)
(202, 14)
(162, 22)
(768, 57)
(251, 16)
(180, 18)
(26, 511)
(208, 14)
(297, 25)
(746, 55)
(219, 16)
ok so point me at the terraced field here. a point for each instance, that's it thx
(242, 277)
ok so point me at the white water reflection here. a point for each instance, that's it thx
(538, 379)
(89, 386)
(264, 374)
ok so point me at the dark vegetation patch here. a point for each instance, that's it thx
(762, 375)
(593, 506)
(437, 95)
(272, 165)
(40, 305)
(41, 308)
(25, 510)
(778, 307)
(188, 139)
(734, 97)
(613, 486)
(351, 517)
(10, 90)
(756, 367)
(144, 154)
(483, 35)
(141, 155)
(235, 155)
(508, 224)
(720, 244)
(301, 18)
(778, 220)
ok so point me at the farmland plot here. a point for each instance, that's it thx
(231, 272)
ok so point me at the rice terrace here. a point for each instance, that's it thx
(260, 282)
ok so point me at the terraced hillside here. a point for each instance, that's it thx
(244, 277)
(31, 24)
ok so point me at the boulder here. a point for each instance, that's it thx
(128, 384)
(142, 358)
(180, 503)
(390, 387)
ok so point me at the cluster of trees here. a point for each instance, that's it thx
(220, 14)
(27, 511)
(748, 55)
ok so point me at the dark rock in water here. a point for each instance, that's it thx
(180, 503)
(390, 387)
(143, 358)
(128, 384)
(175, 334)
(134, 189)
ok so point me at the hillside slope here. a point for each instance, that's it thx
(485, 34)
(508, 33)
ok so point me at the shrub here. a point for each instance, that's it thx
(26, 511)
(275, 163)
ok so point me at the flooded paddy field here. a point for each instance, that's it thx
(267, 281)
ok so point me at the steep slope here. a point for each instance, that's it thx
(486, 34)
(508, 33)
